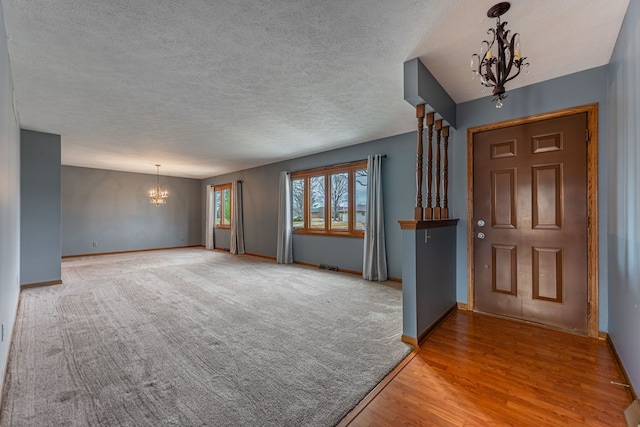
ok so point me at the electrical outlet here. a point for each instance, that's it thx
(95, 244)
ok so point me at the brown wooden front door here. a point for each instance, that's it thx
(530, 190)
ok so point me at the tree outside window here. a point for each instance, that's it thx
(317, 205)
(339, 201)
(360, 186)
(297, 198)
(222, 209)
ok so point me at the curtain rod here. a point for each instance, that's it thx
(237, 180)
(384, 156)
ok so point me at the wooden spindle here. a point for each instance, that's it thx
(437, 208)
(418, 213)
(445, 174)
(428, 212)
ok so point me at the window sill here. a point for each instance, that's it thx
(356, 234)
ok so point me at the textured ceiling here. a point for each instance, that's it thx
(208, 87)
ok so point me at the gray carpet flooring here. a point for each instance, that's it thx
(190, 337)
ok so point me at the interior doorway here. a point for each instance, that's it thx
(532, 220)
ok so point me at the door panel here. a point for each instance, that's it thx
(530, 189)
(503, 200)
(547, 274)
(505, 261)
(546, 198)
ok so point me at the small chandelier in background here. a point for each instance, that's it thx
(157, 196)
(494, 67)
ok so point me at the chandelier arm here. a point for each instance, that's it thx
(522, 64)
(493, 40)
(487, 78)
(518, 62)
(511, 47)
(488, 75)
(513, 77)
(483, 58)
(502, 68)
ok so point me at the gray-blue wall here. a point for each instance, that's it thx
(9, 203)
(112, 209)
(40, 215)
(582, 88)
(260, 187)
(429, 280)
(624, 194)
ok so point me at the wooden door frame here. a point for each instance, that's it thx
(592, 202)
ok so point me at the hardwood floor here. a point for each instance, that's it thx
(480, 370)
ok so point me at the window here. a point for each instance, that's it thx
(330, 200)
(360, 197)
(222, 209)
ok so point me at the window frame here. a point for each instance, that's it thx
(326, 172)
(221, 188)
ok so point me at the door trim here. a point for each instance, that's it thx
(592, 202)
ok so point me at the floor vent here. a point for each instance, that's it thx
(328, 267)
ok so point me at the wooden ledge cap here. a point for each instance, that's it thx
(420, 225)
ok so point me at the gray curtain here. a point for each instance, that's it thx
(375, 255)
(209, 244)
(285, 238)
(237, 226)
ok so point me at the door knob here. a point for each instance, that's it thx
(480, 223)
(481, 235)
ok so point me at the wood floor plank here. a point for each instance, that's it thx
(478, 370)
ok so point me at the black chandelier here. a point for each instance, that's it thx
(495, 69)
